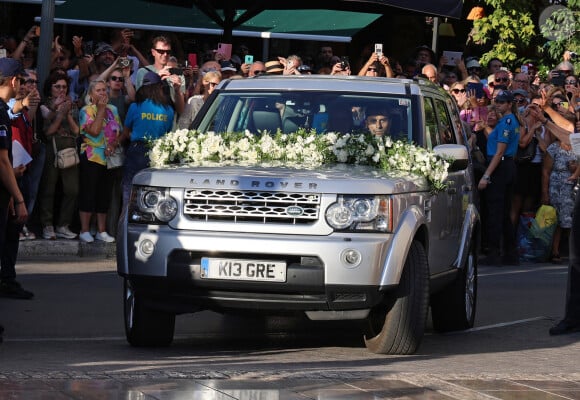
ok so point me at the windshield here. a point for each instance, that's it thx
(388, 115)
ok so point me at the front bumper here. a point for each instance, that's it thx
(316, 277)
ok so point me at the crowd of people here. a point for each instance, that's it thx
(107, 99)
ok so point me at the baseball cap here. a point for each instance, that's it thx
(104, 47)
(11, 67)
(151, 78)
(504, 95)
(227, 66)
(520, 92)
(473, 64)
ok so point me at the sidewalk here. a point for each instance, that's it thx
(41, 248)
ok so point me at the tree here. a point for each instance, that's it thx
(562, 28)
(509, 27)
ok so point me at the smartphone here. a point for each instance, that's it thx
(192, 58)
(477, 87)
(175, 71)
(558, 78)
(379, 49)
(225, 49)
(249, 59)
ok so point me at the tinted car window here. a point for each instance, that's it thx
(288, 112)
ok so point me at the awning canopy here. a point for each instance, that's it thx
(312, 24)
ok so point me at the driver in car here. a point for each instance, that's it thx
(377, 121)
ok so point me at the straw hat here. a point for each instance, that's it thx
(274, 67)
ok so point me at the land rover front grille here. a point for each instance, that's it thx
(251, 206)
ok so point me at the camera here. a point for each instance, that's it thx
(125, 62)
(175, 71)
(344, 64)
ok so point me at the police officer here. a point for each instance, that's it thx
(498, 181)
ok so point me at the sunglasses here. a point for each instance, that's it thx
(60, 87)
(117, 78)
(570, 82)
(556, 105)
(21, 80)
(161, 51)
(502, 79)
(520, 101)
(456, 91)
(31, 82)
(259, 72)
(372, 70)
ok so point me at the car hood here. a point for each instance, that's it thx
(336, 178)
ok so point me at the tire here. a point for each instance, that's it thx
(397, 326)
(144, 326)
(453, 308)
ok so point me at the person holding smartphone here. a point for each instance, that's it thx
(377, 65)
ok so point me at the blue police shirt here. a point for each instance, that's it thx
(506, 131)
(149, 120)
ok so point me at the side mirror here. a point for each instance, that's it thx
(457, 153)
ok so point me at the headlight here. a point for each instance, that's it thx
(361, 213)
(151, 205)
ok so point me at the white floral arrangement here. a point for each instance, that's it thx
(303, 148)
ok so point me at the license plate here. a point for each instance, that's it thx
(243, 270)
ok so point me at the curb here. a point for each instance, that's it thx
(41, 248)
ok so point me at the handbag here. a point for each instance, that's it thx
(117, 158)
(65, 158)
(527, 154)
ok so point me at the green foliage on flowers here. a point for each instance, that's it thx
(303, 148)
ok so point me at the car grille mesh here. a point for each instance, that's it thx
(251, 206)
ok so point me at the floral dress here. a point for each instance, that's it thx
(560, 189)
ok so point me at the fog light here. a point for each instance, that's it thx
(351, 258)
(147, 247)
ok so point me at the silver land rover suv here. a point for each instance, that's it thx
(262, 238)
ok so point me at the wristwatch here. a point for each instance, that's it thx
(486, 178)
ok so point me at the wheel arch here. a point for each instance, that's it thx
(412, 226)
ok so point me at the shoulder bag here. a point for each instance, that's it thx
(117, 158)
(65, 158)
(527, 154)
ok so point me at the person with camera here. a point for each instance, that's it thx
(121, 89)
(572, 88)
(341, 67)
(172, 77)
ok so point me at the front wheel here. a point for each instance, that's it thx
(144, 326)
(453, 308)
(397, 326)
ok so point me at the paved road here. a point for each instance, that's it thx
(70, 338)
